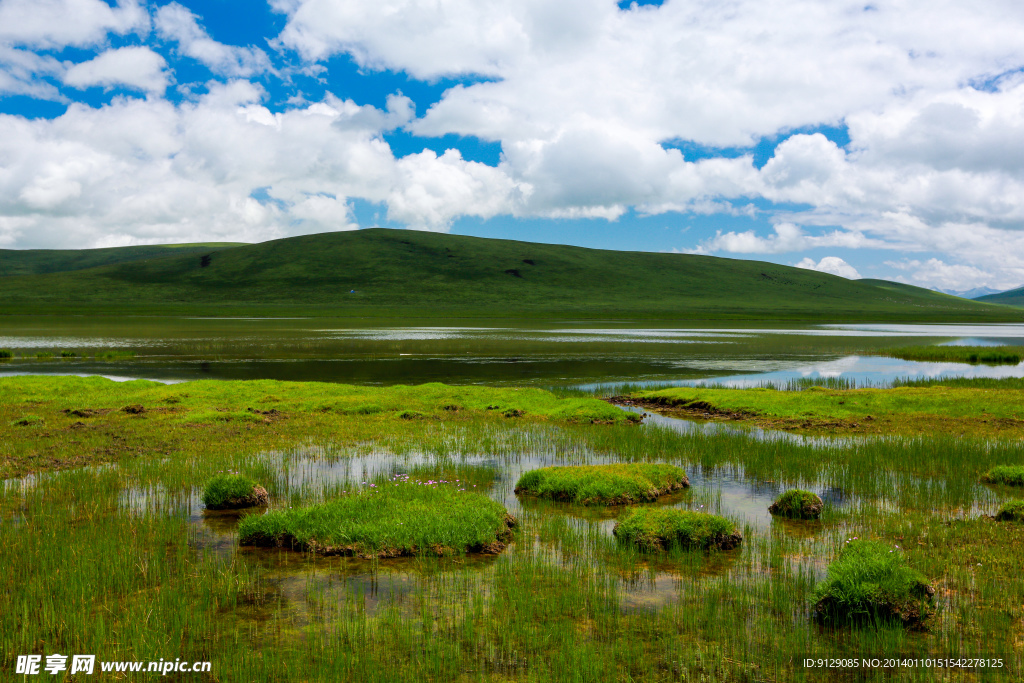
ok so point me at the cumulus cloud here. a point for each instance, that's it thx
(133, 67)
(223, 168)
(176, 23)
(59, 23)
(833, 265)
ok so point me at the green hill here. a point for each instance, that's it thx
(407, 273)
(42, 261)
(1014, 297)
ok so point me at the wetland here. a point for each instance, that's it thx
(108, 547)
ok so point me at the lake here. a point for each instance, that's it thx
(588, 354)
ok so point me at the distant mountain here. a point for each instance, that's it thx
(969, 293)
(407, 274)
(1013, 297)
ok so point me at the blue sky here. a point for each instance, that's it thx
(877, 140)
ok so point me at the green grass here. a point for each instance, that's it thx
(390, 519)
(956, 409)
(617, 484)
(656, 529)
(1011, 511)
(231, 491)
(989, 355)
(112, 558)
(871, 582)
(367, 272)
(797, 504)
(1005, 474)
(5, 354)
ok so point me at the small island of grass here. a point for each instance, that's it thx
(987, 355)
(657, 529)
(871, 582)
(797, 504)
(389, 520)
(1012, 511)
(1009, 475)
(617, 484)
(233, 492)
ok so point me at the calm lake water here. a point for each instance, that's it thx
(560, 353)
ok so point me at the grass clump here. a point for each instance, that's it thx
(233, 491)
(388, 520)
(797, 504)
(6, 354)
(1012, 511)
(67, 354)
(871, 582)
(1009, 475)
(656, 529)
(26, 421)
(618, 484)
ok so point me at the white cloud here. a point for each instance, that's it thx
(223, 168)
(134, 67)
(58, 23)
(21, 73)
(833, 265)
(175, 22)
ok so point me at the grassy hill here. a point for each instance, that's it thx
(407, 273)
(43, 261)
(1014, 297)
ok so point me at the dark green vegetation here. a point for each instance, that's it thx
(871, 582)
(1013, 297)
(233, 491)
(656, 529)
(387, 520)
(1011, 511)
(6, 353)
(961, 408)
(1005, 474)
(797, 504)
(368, 272)
(118, 559)
(990, 355)
(44, 261)
(618, 484)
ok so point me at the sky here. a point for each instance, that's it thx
(878, 139)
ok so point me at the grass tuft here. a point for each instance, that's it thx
(797, 504)
(656, 529)
(67, 354)
(1011, 475)
(233, 491)
(618, 484)
(388, 520)
(6, 354)
(871, 582)
(1012, 511)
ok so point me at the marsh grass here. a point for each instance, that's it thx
(6, 354)
(989, 355)
(115, 559)
(797, 504)
(871, 582)
(114, 355)
(389, 520)
(231, 491)
(68, 354)
(656, 529)
(1005, 474)
(616, 484)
